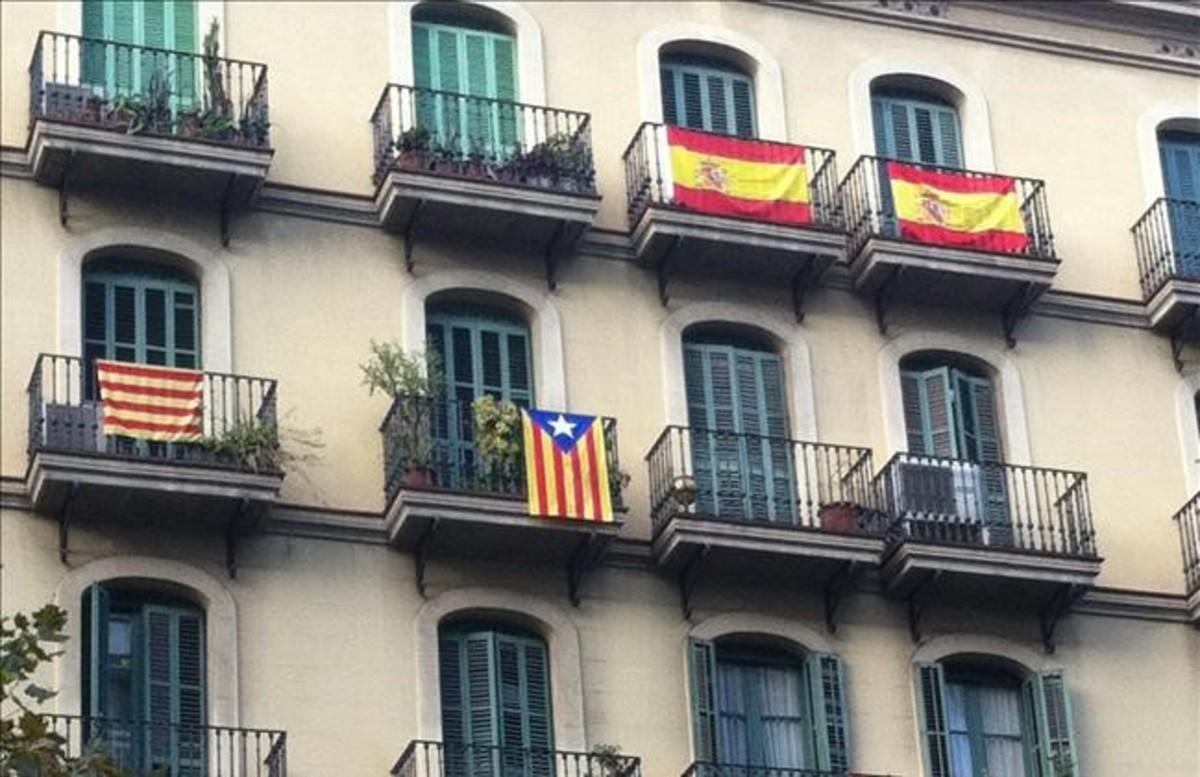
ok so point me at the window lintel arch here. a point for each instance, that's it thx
(735, 625)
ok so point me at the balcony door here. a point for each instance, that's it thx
(495, 695)
(742, 458)
(954, 441)
(484, 352)
(472, 66)
(1180, 156)
(169, 26)
(913, 127)
(144, 680)
(707, 94)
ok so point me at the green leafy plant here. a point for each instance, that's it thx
(498, 437)
(618, 481)
(415, 382)
(561, 160)
(29, 745)
(395, 372)
(608, 760)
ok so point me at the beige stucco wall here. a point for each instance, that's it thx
(326, 643)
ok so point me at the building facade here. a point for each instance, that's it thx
(885, 503)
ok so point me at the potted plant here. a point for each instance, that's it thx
(412, 148)
(252, 444)
(839, 517)
(560, 161)
(498, 438)
(415, 383)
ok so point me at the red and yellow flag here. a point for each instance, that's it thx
(957, 209)
(566, 466)
(150, 403)
(734, 177)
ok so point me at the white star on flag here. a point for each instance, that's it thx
(562, 426)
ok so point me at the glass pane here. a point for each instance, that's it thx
(956, 707)
(731, 733)
(1005, 757)
(782, 713)
(960, 756)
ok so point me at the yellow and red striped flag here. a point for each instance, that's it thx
(734, 177)
(957, 209)
(149, 402)
(566, 466)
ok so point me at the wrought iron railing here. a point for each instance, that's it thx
(730, 476)
(648, 178)
(866, 195)
(431, 444)
(450, 134)
(238, 419)
(1167, 240)
(434, 759)
(708, 769)
(146, 90)
(148, 749)
(1188, 520)
(1007, 506)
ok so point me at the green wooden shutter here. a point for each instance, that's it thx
(1180, 156)
(827, 702)
(98, 609)
(929, 412)
(703, 680)
(916, 418)
(140, 313)
(709, 98)
(173, 684)
(93, 56)
(185, 70)
(915, 130)
(451, 687)
(980, 429)
(931, 701)
(121, 27)
(1055, 727)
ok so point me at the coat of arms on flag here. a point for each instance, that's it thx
(972, 211)
(149, 402)
(566, 466)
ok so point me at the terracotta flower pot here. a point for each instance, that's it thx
(417, 477)
(840, 517)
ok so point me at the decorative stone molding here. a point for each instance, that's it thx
(768, 75)
(206, 264)
(793, 631)
(797, 361)
(1180, 49)
(531, 71)
(947, 645)
(932, 8)
(1004, 372)
(549, 621)
(535, 302)
(206, 591)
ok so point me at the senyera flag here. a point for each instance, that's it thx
(735, 177)
(151, 403)
(958, 209)
(566, 466)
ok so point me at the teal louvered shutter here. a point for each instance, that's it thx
(702, 676)
(703, 441)
(768, 454)
(504, 68)
(153, 36)
(716, 447)
(1180, 156)
(931, 707)
(185, 71)
(452, 690)
(99, 604)
(827, 703)
(707, 97)
(93, 55)
(480, 687)
(929, 412)
(1055, 726)
(979, 430)
(173, 686)
(916, 417)
(915, 130)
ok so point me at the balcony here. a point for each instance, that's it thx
(988, 532)
(74, 468)
(441, 494)
(146, 749)
(767, 509)
(1002, 264)
(136, 118)
(433, 759)
(675, 234)
(446, 162)
(1188, 520)
(706, 769)
(1167, 241)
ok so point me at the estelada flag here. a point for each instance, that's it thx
(566, 466)
(149, 402)
(734, 177)
(957, 209)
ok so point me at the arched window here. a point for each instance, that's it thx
(949, 408)
(737, 411)
(463, 50)
(136, 311)
(707, 93)
(495, 695)
(981, 718)
(144, 680)
(915, 125)
(761, 704)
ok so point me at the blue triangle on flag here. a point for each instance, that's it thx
(565, 429)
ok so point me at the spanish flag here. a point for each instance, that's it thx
(957, 209)
(734, 177)
(150, 403)
(566, 466)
